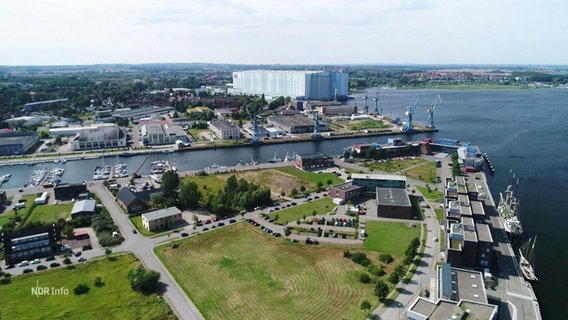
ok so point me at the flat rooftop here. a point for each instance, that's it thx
(469, 229)
(477, 208)
(296, 120)
(162, 213)
(392, 197)
(483, 232)
(378, 176)
(347, 187)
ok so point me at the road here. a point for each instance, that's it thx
(142, 247)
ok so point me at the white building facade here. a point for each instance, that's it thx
(314, 85)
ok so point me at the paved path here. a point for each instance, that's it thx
(142, 247)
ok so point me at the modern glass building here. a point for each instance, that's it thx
(313, 85)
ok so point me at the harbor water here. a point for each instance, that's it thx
(522, 130)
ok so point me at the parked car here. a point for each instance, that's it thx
(77, 254)
(10, 266)
(41, 267)
(36, 261)
(50, 258)
(54, 265)
(134, 231)
(24, 263)
(82, 259)
(220, 224)
(27, 271)
(184, 234)
(205, 229)
(232, 221)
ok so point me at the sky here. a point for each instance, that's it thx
(83, 32)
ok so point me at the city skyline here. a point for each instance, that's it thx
(57, 32)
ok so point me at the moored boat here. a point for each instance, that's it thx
(526, 260)
(508, 207)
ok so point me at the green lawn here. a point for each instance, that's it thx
(390, 237)
(208, 184)
(5, 217)
(393, 165)
(114, 300)
(312, 176)
(322, 206)
(50, 213)
(425, 172)
(367, 124)
(432, 194)
(239, 272)
(439, 214)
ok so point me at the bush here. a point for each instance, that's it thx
(386, 258)
(81, 289)
(87, 247)
(365, 305)
(365, 262)
(67, 260)
(175, 245)
(346, 254)
(99, 282)
(364, 278)
(375, 270)
(358, 257)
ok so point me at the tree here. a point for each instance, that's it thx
(189, 196)
(381, 290)
(170, 184)
(99, 282)
(302, 188)
(81, 289)
(320, 185)
(364, 278)
(142, 280)
(329, 182)
(365, 305)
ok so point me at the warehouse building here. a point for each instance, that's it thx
(154, 133)
(295, 124)
(346, 191)
(314, 85)
(144, 112)
(84, 208)
(67, 191)
(393, 203)
(13, 143)
(313, 161)
(224, 130)
(100, 138)
(345, 110)
(372, 181)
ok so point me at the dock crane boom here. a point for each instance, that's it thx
(255, 131)
(430, 123)
(409, 113)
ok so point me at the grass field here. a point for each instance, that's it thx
(322, 206)
(50, 212)
(239, 272)
(425, 172)
(366, 124)
(389, 237)
(278, 179)
(5, 217)
(114, 300)
(393, 165)
(439, 214)
(432, 194)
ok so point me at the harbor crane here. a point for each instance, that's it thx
(409, 113)
(376, 101)
(365, 106)
(316, 134)
(255, 131)
(430, 122)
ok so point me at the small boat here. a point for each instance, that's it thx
(526, 260)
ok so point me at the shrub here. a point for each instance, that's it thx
(67, 260)
(142, 280)
(365, 305)
(81, 289)
(364, 278)
(365, 262)
(375, 270)
(99, 282)
(386, 258)
(346, 254)
(175, 245)
(358, 257)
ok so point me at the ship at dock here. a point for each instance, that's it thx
(526, 260)
(509, 207)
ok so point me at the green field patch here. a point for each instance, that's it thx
(432, 194)
(114, 300)
(390, 237)
(393, 165)
(7, 215)
(50, 213)
(312, 177)
(240, 272)
(367, 124)
(439, 214)
(321, 206)
(425, 172)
